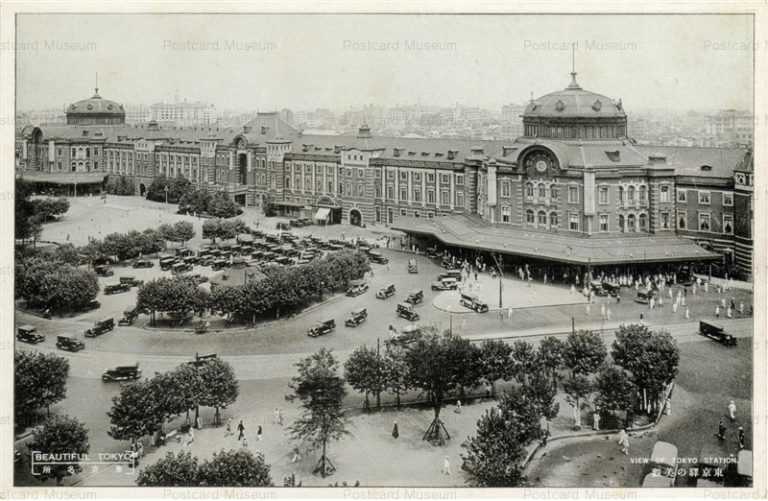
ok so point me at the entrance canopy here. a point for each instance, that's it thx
(323, 213)
(475, 233)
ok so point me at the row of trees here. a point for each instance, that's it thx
(227, 468)
(143, 407)
(55, 285)
(40, 381)
(176, 296)
(223, 229)
(213, 204)
(177, 188)
(31, 214)
(120, 185)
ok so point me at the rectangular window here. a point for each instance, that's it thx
(603, 222)
(505, 190)
(417, 195)
(682, 196)
(664, 193)
(403, 176)
(728, 224)
(403, 212)
(416, 213)
(445, 178)
(360, 190)
(445, 197)
(360, 172)
(704, 197)
(390, 175)
(506, 214)
(573, 222)
(430, 178)
(573, 195)
(459, 179)
(391, 192)
(416, 177)
(378, 191)
(404, 194)
(460, 199)
(727, 199)
(705, 223)
(430, 196)
(603, 195)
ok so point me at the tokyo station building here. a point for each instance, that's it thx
(574, 189)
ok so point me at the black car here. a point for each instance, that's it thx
(101, 327)
(143, 263)
(116, 288)
(356, 318)
(406, 311)
(122, 373)
(131, 281)
(283, 226)
(167, 263)
(376, 257)
(69, 343)
(129, 316)
(415, 296)
(716, 332)
(385, 292)
(322, 328)
(103, 270)
(357, 289)
(28, 334)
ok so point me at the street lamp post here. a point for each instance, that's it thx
(166, 193)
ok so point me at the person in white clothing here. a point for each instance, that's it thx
(732, 410)
(446, 466)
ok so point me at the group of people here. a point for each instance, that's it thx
(722, 428)
(241, 437)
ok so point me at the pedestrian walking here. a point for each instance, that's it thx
(674, 307)
(446, 467)
(596, 419)
(229, 428)
(296, 455)
(190, 436)
(722, 302)
(742, 438)
(602, 310)
(670, 294)
(721, 430)
(706, 287)
(624, 442)
(741, 308)
(395, 431)
(278, 416)
(608, 313)
(458, 407)
(729, 312)
(733, 303)
(245, 442)
(732, 410)
(258, 433)
(717, 311)
(588, 308)
(687, 313)
(240, 430)
(652, 303)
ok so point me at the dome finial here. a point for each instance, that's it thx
(96, 89)
(574, 84)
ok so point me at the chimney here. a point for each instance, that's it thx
(452, 154)
(477, 150)
(438, 155)
(247, 129)
(396, 152)
(411, 153)
(424, 154)
(305, 147)
(657, 158)
(337, 149)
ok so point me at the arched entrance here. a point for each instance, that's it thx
(242, 163)
(355, 218)
(142, 189)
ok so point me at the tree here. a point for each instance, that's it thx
(58, 286)
(651, 358)
(220, 387)
(65, 437)
(235, 468)
(24, 209)
(195, 201)
(176, 295)
(615, 390)
(221, 206)
(435, 367)
(584, 352)
(173, 470)
(48, 209)
(396, 371)
(550, 356)
(321, 392)
(40, 381)
(523, 360)
(496, 355)
(577, 388)
(365, 371)
(541, 393)
(494, 455)
(230, 301)
(137, 411)
(183, 231)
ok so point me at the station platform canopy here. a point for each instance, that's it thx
(604, 249)
(63, 179)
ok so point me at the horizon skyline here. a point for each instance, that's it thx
(373, 62)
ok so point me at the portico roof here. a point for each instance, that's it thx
(474, 233)
(64, 178)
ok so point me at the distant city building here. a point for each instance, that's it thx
(731, 127)
(287, 116)
(137, 113)
(183, 113)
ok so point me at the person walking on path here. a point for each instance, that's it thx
(717, 311)
(742, 439)
(395, 431)
(240, 430)
(278, 417)
(458, 407)
(229, 428)
(596, 420)
(446, 466)
(190, 436)
(721, 430)
(687, 313)
(245, 441)
(732, 410)
(624, 442)
(258, 433)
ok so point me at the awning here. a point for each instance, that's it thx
(475, 233)
(64, 177)
(323, 213)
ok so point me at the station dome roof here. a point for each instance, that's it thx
(96, 105)
(574, 102)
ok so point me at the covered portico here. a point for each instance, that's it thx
(65, 184)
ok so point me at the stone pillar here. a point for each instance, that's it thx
(492, 184)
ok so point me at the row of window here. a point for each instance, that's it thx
(585, 132)
(705, 222)
(430, 177)
(705, 197)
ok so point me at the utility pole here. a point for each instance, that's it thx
(498, 261)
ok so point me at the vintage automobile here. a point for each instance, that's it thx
(473, 302)
(143, 263)
(716, 332)
(450, 274)
(663, 465)
(129, 316)
(181, 268)
(409, 334)
(202, 327)
(356, 317)
(431, 252)
(597, 288)
(376, 257)
(412, 266)
(283, 226)
(131, 281)
(386, 291)
(103, 270)
(322, 328)
(69, 343)
(611, 288)
(116, 288)
(644, 296)
(101, 327)
(446, 263)
(445, 284)
(357, 289)
(415, 296)
(407, 311)
(122, 373)
(184, 252)
(166, 263)
(28, 334)
(220, 264)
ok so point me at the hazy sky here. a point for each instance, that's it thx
(264, 62)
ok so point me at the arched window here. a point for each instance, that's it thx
(621, 194)
(553, 220)
(631, 194)
(529, 190)
(643, 193)
(622, 227)
(529, 216)
(643, 222)
(631, 223)
(542, 190)
(542, 218)
(681, 222)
